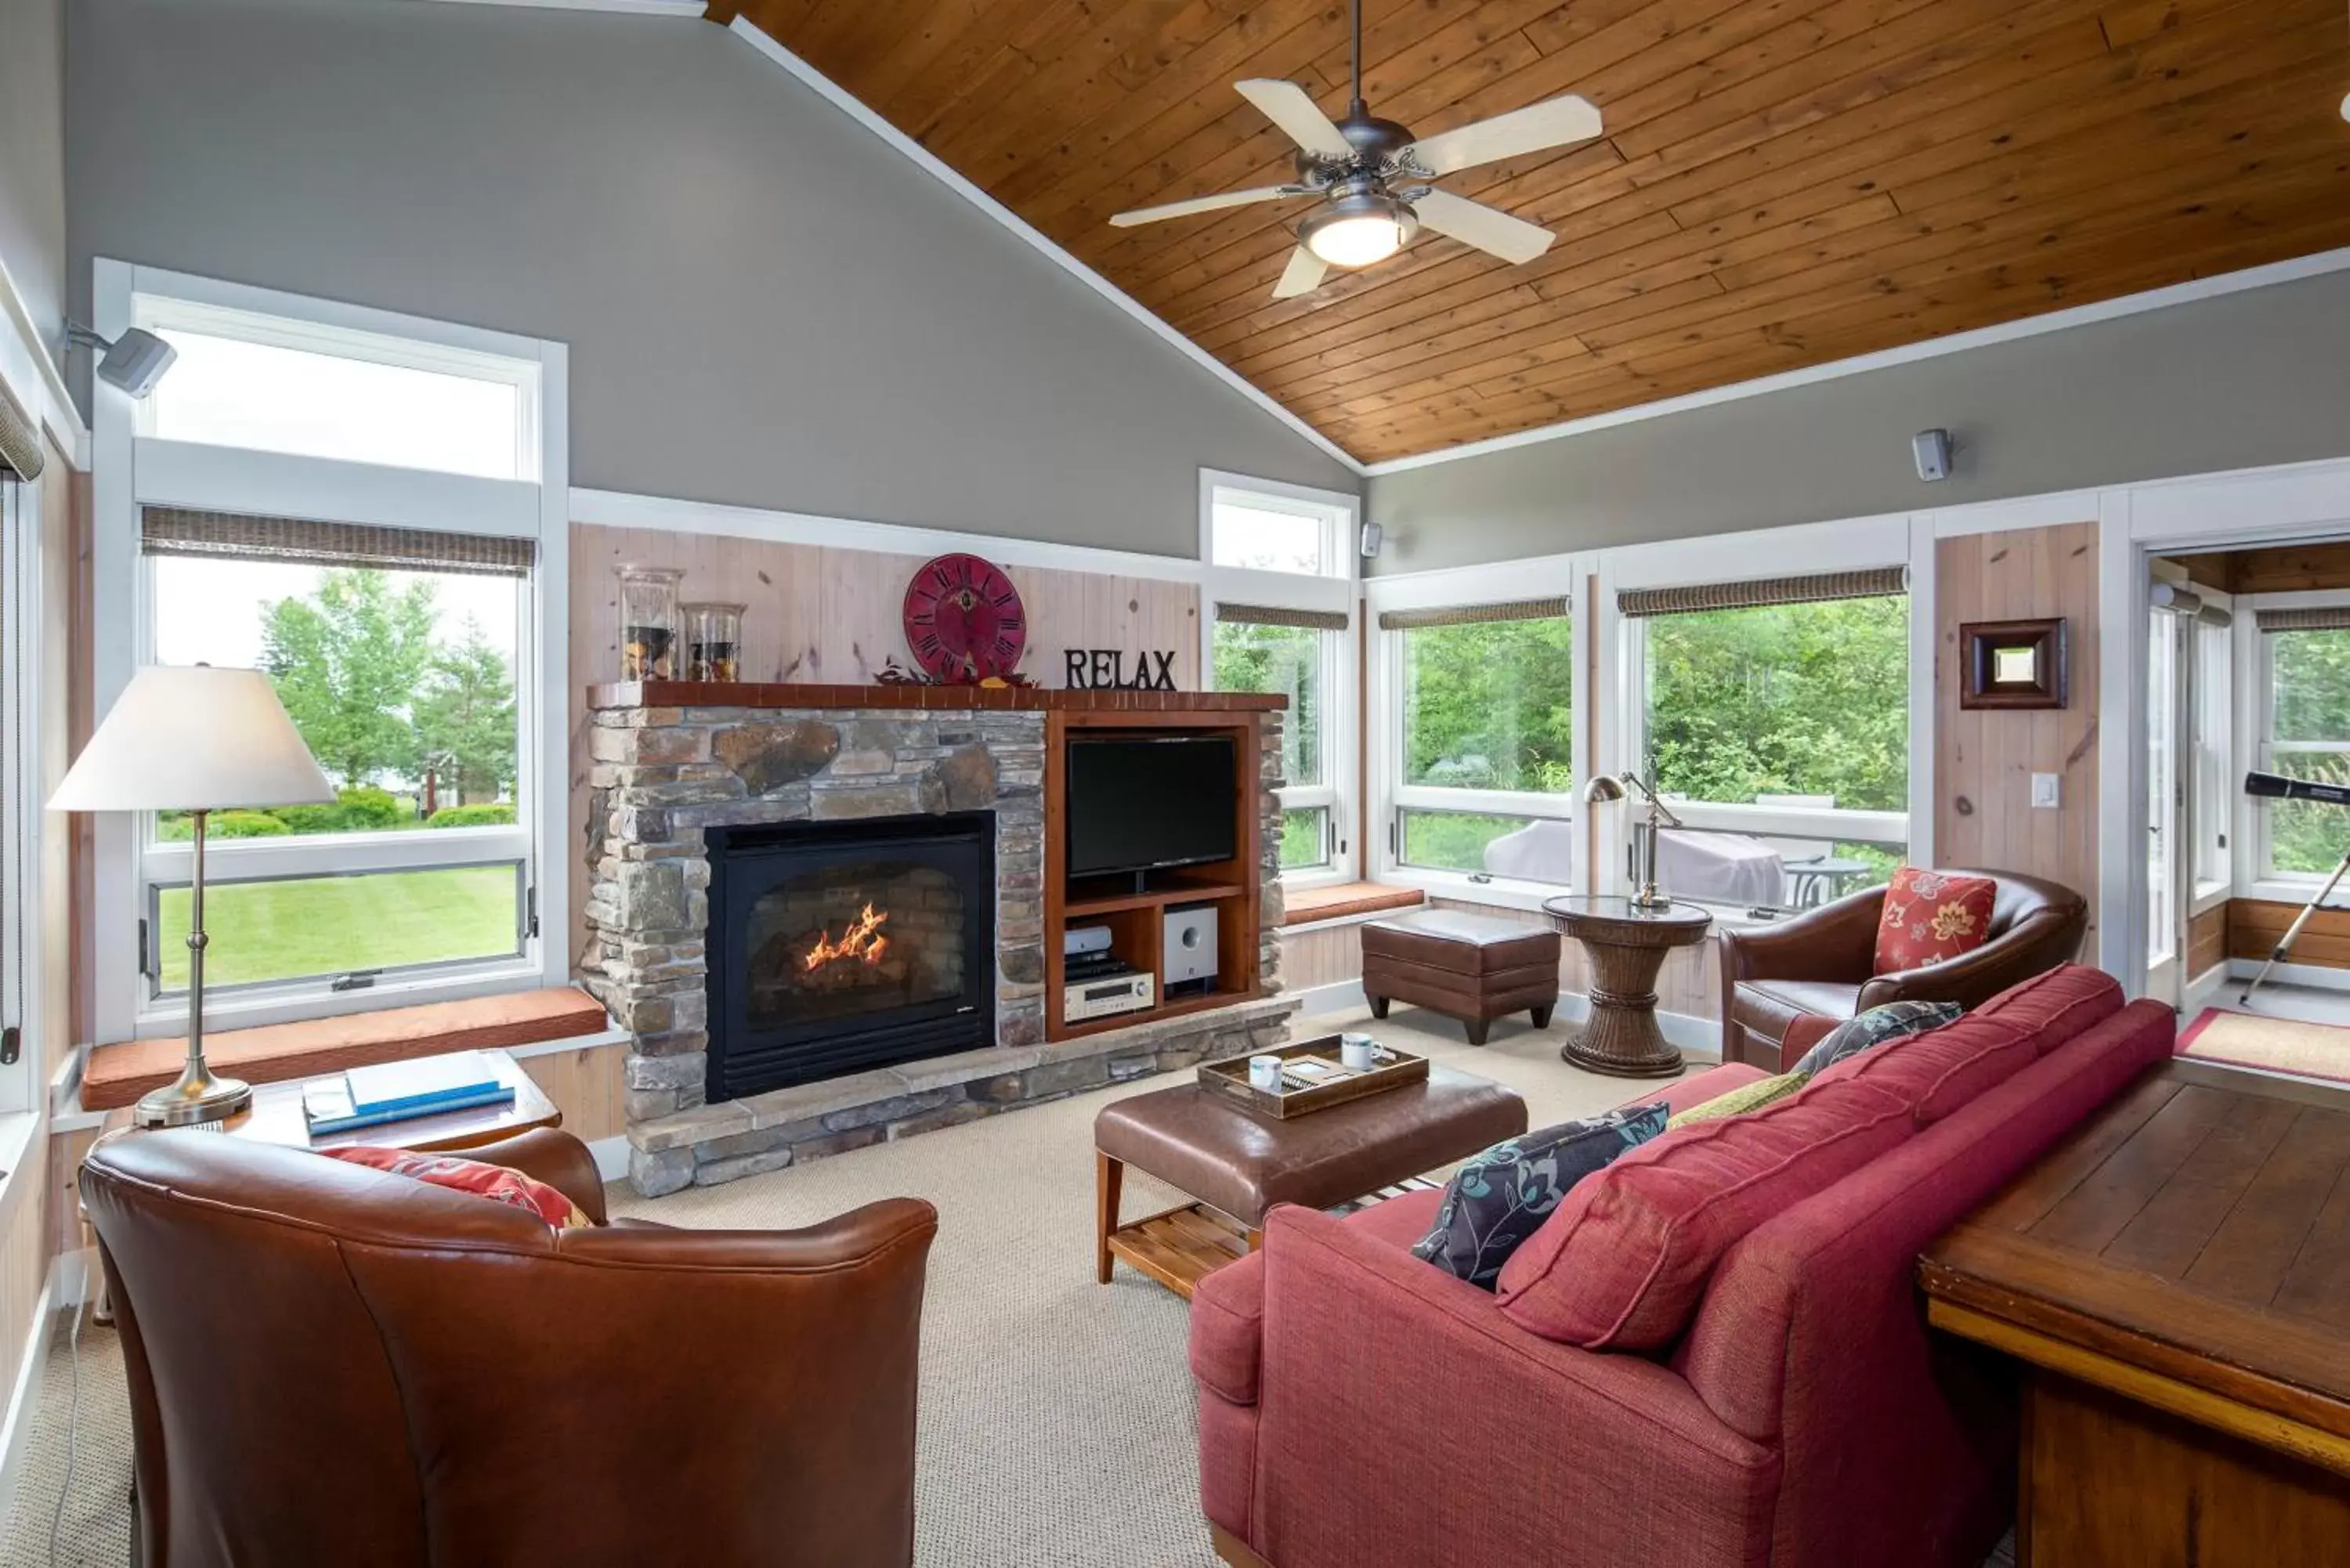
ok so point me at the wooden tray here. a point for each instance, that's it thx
(1230, 1078)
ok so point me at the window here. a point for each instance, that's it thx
(363, 508)
(1486, 747)
(2211, 805)
(1281, 591)
(395, 652)
(2306, 654)
(1776, 715)
(1292, 661)
(269, 384)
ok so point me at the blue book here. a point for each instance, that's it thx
(433, 1082)
(327, 1106)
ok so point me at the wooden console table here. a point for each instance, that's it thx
(2175, 1278)
(1626, 946)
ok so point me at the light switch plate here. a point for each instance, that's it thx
(2044, 792)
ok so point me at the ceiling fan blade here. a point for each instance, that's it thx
(1303, 274)
(1557, 122)
(1489, 229)
(1204, 204)
(1291, 109)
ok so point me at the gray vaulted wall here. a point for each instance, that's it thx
(33, 158)
(2238, 381)
(765, 305)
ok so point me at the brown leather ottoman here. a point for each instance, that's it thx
(1239, 1163)
(1474, 967)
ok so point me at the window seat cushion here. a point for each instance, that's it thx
(117, 1075)
(1346, 899)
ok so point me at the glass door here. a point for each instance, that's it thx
(2165, 725)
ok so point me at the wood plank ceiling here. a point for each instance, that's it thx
(1784, 183)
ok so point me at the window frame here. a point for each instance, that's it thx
(1333, 590)
(132, 471)
(167, 313)
(2210, 806)
(23, 797)
(1550, 576)
(2255, 659)
(1798, 550)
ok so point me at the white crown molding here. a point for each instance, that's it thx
(616, 509)
(2128, 305)
(690, 9)
(930, 164)
(33, 377)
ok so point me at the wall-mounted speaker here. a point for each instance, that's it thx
(1932, 450)
(1371, 536)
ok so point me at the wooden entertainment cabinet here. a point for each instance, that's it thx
(1137, 921)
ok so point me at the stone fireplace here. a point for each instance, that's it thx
(732, 851)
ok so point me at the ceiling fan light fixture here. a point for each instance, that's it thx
(1357, 229)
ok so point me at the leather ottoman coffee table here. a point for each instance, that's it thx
(1474, 967)
(1239, 1163)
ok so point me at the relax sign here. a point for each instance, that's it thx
(1105, 669)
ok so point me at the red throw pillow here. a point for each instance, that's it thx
(494, 1182)
(1931, 916)
(1624, 1260)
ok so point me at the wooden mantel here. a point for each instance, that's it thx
(1015, 699)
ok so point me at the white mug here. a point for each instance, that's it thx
(1358, 1053)
(1265, 1073)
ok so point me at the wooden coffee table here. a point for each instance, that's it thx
(1240, 1164)
(2175, 1278)
(1626, 946)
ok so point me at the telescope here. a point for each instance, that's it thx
(2276, 786)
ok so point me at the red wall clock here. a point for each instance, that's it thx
(964, 620)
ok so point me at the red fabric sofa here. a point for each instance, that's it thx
(1359, 1407)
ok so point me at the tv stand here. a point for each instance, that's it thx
(1133, 904)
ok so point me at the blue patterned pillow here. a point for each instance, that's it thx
(1875, 1027)
(1502, 1196)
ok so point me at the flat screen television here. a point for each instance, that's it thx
(1146, 803)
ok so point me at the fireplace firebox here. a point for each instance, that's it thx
(837, 947)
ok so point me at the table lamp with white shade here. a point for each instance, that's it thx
(194, 739)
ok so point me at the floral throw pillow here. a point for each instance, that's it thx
(1875, 1027)
(1502, 1196)
(494, 1182)
(1931, 915)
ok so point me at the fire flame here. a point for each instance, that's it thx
(863, 939)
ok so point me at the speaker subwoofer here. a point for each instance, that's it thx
(1189, 953)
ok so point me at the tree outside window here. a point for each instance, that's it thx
(1782, 699)
(2309, 738)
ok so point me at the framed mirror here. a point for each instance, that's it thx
(2011, 664)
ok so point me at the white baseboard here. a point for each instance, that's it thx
(1341, 996)
(2318, 977)
(61, 1291)
(611, 1155)
(2205, 989)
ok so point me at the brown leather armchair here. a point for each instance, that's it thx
(1819, 964)
(329, 1363)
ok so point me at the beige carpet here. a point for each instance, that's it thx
(1057, 1421)
(2274, 1044)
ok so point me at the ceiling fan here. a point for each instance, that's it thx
(1371, 176)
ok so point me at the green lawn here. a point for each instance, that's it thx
(328, 925)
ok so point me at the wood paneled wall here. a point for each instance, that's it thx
(2207, 940)
(818, 614)
(1984, 758)
(2254, 925)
